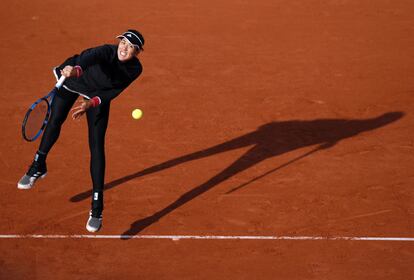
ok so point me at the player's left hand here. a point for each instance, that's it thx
(80, 109)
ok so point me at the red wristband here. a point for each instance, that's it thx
(79, 71)
(95, 101)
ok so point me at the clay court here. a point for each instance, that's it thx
(277, 142)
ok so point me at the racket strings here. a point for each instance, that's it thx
(36, 119)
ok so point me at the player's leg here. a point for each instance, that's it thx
(61, 105)
(97, 123)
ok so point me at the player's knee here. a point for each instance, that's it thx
(55, 122)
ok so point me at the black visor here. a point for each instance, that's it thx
(133, 37)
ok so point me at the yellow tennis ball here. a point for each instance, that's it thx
(137, 114)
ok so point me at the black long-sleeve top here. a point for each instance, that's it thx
(103, 75)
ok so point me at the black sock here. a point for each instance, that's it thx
(97, 204)
(40, 157)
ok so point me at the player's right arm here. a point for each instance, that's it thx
(94, 56)
(75, 65)
(70, 71)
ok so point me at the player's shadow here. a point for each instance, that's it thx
(269, 140)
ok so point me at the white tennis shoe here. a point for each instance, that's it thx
(94, 224)
(37, 170)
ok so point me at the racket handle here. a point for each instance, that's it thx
(60, 82)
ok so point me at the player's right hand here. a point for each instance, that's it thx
(69, 71)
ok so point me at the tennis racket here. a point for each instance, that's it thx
(37, 116)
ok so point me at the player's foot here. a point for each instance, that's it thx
(94, 222)
(37, 170)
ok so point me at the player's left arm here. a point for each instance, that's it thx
(104, 96)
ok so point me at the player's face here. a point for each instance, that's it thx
(126, 50)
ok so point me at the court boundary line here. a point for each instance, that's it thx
(204, 237)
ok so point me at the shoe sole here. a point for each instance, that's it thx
(91, 229)
(31, 184)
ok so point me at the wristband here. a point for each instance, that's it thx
(79, 71)
(95, 101)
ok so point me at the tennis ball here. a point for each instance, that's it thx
(136, 114)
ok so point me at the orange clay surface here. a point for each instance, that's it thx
(261, 118)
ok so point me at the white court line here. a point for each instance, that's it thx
(198, 237)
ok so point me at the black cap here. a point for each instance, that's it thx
(134, 37)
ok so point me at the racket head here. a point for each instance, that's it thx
(35, 119)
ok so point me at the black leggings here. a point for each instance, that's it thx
(97, 123)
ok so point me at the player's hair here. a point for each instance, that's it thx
(141, 38)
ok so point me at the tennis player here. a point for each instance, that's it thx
(98, 74)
